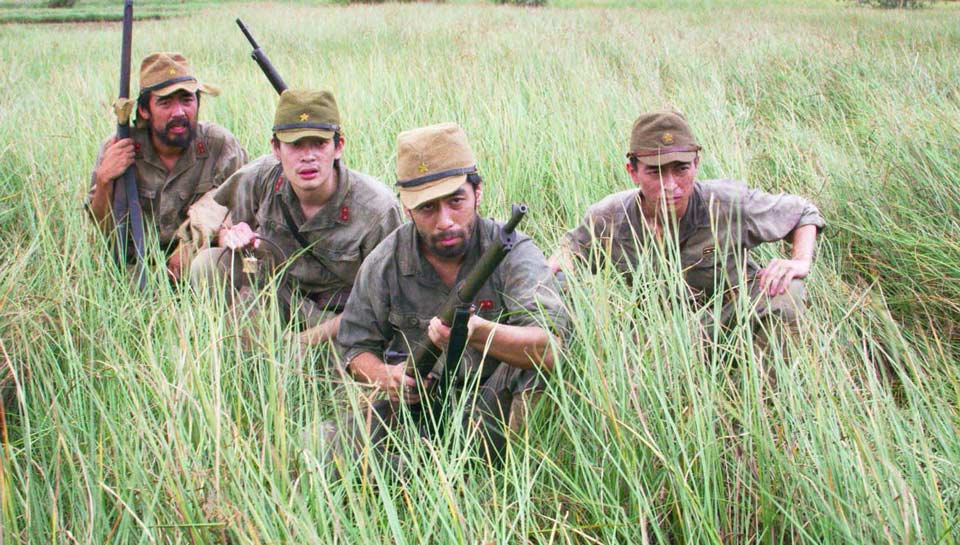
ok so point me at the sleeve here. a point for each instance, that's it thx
(587, 241)
(232, 157)
(388, 221)
(364, 324)
(241, 193)
(768, 217)
(531, 292)
(93, 173)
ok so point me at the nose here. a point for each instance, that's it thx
(444, 218)
(178, 110)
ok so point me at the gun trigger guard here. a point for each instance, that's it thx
(123, 107)
(509, 241)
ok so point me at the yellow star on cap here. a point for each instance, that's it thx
(304, 116)
(667, 138)
(423, 167)
(173, 71)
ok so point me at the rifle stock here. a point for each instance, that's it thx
(425, 356)
(126, 197)
(263, 61)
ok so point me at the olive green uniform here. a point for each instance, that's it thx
(165, 196)
(340, 236)
(723, 221)
(398, 292)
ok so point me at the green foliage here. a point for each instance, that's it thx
(522, 2)
(139, 418)
(62, 3)
(892, 4)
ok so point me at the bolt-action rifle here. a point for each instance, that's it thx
(453, 313)
(262, 60)
(126, 198)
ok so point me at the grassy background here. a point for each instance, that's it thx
(139, 419)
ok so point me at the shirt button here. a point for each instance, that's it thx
(413, 322)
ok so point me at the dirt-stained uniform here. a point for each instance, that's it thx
(212, 157)
(398, 292)
(723, 221)
(340, 236)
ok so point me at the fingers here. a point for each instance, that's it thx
(438, 332)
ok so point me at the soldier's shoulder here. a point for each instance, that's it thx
(261, 171)
(387, 249)
(723, 190)
(614, 205)
(214, 133)
(370, 192)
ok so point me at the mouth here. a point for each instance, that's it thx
(308, 173)
(449, 239)
(178, 127)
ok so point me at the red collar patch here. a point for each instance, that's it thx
(136, 149)
(201, 149)
(344, 213)
(485, 304)
(276, 185)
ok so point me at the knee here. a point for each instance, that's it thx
(790, 305)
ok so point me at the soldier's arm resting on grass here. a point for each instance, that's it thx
(772, 217)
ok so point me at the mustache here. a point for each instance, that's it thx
(450, 233)
(178, 122)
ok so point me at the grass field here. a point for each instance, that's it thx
(139, 418)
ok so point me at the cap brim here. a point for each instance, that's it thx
(292, 136)
(666, 158)
(415, 196)
(188, 86)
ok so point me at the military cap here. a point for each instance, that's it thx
(166, 73)
(659, 138)
(303, 113)
(432, 162)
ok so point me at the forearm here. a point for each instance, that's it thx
(100, 203)
(366, 367)
(525, 347)
(321, 332)
(804, 240)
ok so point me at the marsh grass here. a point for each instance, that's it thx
(143, 419)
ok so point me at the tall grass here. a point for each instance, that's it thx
(140, 418)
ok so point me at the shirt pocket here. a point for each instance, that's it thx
(148, 201)
(409, 330)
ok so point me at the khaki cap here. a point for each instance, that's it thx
(659, 138)
(303, 113)
(432, 162)
(166, 73)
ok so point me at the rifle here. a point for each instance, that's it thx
(126, 198)
(262, 60)
(425, 355)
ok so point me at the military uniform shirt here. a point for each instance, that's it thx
(341, 235)
(398, 292)
(723, 221)
(212, 156)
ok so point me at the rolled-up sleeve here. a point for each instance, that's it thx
(768, 217)
(531, 291)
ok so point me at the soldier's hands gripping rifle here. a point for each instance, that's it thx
(126, 199)
(262, 60)
(453, 313)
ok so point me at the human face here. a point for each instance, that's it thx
(446, 224)
(308, 162)
(666, 185)
(173, 118)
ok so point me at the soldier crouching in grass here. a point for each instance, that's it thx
(715, 223)
(176, 159)
(402, 285)
(311, 218)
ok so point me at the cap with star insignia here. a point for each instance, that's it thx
(432, 162)
(302, 113)
(659, 138)
(166, 73)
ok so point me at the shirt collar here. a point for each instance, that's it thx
(336, 211)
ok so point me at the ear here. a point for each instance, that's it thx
(143, 113)
(633, 172)
(406, 212)
(336, 154)
(275, 147)
(478, 193)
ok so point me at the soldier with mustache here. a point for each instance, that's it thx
(176, 159)
(302, 213)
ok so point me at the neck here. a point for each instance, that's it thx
(447, 268)
(313, 199)
(655, 213)
(168, 154)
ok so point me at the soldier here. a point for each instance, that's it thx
(403, 283)
(317, 220)
(176, 158)
(714, 222)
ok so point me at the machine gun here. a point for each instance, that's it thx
(426, 355)
(262, 60)
(126, 199)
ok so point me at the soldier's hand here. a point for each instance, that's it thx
(116, 158)
(400, 386)
(238, 237)
(440, 334)
(775, 278)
